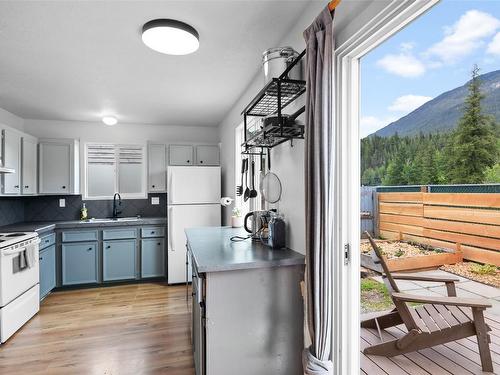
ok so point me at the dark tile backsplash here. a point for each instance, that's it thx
(46, 208)
(11, 210)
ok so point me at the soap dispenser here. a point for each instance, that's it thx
(84, 213)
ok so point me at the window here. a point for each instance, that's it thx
(112, 168)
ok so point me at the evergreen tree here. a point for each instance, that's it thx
(473, 145)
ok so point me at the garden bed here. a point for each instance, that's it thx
(484, 273)
(406, 256)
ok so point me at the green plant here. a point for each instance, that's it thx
(399, 253)
(236, 212)
(484, 269)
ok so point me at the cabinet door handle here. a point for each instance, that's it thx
(89, 249)
(153, 232)
(16, 186)
(41, 258)
(152, 186)
(187, 161)
(201, 161)
(64, 186)
(47, 241)
(108, 247)
(159, 243)
(26, 186)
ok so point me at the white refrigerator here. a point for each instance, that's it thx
(193, 201)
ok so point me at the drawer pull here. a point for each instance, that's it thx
(108, 247)
(47, 241)
(89, 249)
(64, 186)
(152, 232)
(41, 258)
(159, 243)
(26, 186)
(16, 186)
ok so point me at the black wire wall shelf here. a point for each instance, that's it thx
(276, 95)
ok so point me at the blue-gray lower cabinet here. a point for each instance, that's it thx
(118, 260)
(47, 259)
(152, 257)
(79, 263)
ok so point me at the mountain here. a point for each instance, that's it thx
(442, 113)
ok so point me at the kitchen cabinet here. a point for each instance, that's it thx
(157, 167)
(47, 259)
(12, 159)
(59, 166)
(29, 165)
(180, 155)
(79, 263)
(119, 259)
(207, 155)
(152, 257)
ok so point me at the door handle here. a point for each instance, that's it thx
(169, 224)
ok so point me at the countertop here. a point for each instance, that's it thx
(45, 226)
(213, 251)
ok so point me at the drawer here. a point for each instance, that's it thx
(118, 234)
(79, 235)
(152, 232)
(47, 240)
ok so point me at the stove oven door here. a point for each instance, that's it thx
(14, 280)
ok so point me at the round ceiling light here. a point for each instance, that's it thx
(170, 37)
(109, 120)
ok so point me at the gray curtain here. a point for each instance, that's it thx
(318, 167)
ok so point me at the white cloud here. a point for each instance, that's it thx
(408, 103)
(370, 124)
(463, 37)
(404, 64)
(494, 46)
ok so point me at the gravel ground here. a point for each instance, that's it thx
(399, 249)
(466, 269)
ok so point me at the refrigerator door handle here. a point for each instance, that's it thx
(170, 225)
(171, 187)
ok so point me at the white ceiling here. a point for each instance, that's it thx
(80, 60)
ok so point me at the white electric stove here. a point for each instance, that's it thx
(19, 281)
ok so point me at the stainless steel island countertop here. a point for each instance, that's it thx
(213, 251)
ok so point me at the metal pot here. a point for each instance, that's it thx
(276, 60)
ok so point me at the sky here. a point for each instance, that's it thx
(433, 54)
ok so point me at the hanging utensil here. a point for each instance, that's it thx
(271, 188)
(246, 196)
(253, 192)
(239, 189)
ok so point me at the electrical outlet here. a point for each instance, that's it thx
(155, 200)
(62, 202)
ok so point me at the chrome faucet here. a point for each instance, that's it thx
(116, 212)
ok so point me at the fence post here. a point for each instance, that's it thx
(376, 219)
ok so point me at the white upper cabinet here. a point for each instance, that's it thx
(12, 159)
(181, 155)
(207, 155)
(29, 163)
(59, 166)
(157, 166)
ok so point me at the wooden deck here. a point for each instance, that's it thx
(457, 358)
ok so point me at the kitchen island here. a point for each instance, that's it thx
(247, 305)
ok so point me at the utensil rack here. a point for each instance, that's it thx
(271, 100)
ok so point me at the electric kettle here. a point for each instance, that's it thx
(258, 220)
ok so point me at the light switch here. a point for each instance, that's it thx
(155, 200)
(62, 202)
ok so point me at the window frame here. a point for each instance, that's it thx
(143, 194)
(346, 177)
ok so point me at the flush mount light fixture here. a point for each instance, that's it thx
(109, 120)
(171, 37)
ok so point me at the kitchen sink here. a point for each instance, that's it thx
(111, 220)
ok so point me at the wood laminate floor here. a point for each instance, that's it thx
(129, 329)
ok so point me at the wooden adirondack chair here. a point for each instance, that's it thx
(437, 321)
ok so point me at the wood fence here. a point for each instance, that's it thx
(467, 223)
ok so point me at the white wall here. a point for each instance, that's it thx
(120, 133)
(288, 162)
(11, 120)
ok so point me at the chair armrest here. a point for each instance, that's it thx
(415, 277)
(450, 301)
